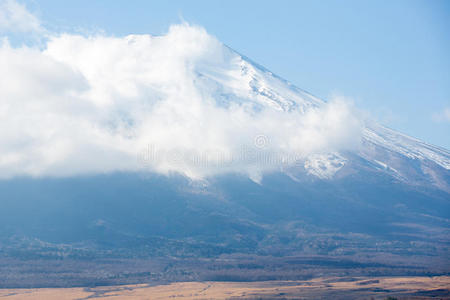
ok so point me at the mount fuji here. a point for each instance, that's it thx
(360, 198)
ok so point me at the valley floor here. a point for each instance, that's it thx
(437, 287)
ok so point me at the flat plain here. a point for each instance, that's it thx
(419, 287)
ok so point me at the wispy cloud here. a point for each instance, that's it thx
(14, 17)
(442, 116)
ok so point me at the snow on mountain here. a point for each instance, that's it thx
(240, 80)
(406, 145)
(389, 151)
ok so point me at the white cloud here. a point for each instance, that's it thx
(14, 17)
(182, 102)
(442, 116)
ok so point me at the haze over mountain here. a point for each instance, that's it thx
(177, 146)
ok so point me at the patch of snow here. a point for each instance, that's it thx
(324, 166)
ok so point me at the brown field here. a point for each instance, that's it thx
(320, 288)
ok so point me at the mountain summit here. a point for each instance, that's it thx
(380, 149)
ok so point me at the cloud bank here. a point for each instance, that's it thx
(182, 102)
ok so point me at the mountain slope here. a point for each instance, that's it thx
(408, 159)
(376, 207)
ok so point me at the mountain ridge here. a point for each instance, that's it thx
(374, 134)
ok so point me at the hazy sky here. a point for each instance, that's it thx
(391, 57)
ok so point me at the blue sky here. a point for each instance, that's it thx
(391, 57)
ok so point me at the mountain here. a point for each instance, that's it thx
(382, 150)
(380, 207)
